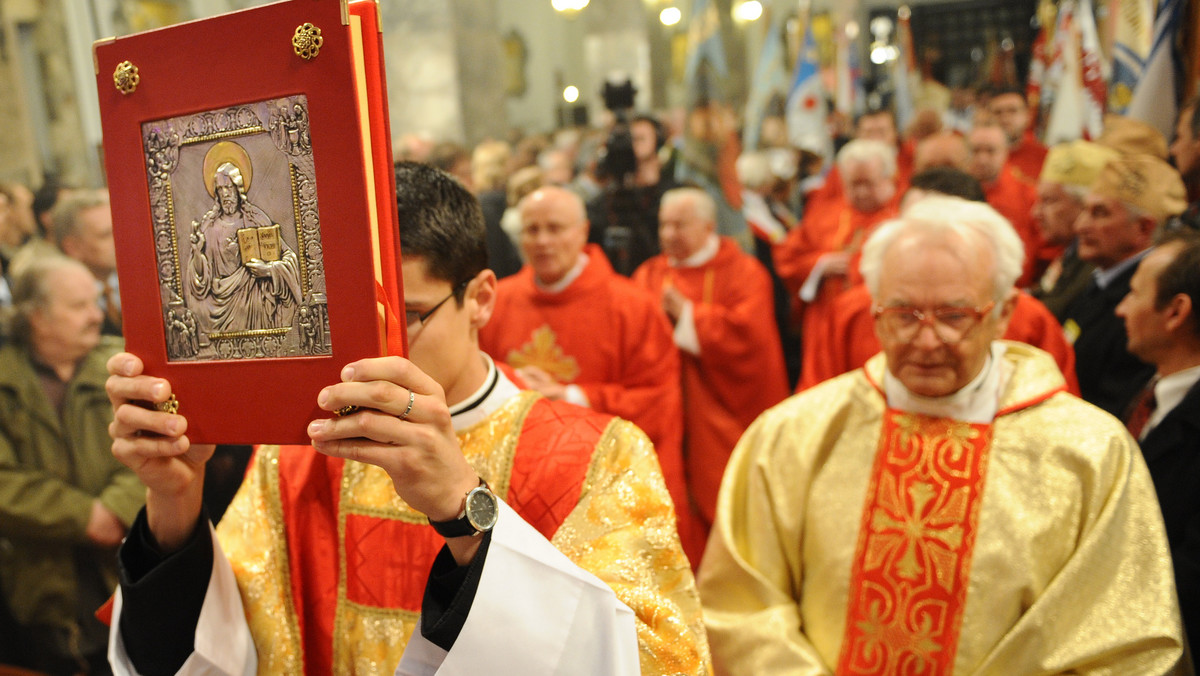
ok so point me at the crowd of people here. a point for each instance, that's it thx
(931, 417)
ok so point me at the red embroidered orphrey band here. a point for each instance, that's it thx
(908, 586)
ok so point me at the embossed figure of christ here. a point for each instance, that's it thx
(239, 295)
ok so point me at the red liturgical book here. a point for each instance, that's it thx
(253, 199)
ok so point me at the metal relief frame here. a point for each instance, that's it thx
(272, 140)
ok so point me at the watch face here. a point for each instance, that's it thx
(482, 509)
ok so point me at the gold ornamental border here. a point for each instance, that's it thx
(252, 333)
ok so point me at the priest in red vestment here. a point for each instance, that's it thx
(575, 330)
(720, 301)
(1010, 110)
(819, 259)
(1009, 194)
(875, 125)
(442, 513)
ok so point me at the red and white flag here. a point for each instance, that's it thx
(1094, 80)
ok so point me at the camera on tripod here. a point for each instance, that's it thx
(618, 161)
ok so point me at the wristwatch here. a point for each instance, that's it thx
(480, 510)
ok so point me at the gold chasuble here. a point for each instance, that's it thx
(856, 539)
(332, 564)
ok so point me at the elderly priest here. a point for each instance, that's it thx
(947, 509)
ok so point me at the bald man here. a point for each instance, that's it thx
(942, 149)
(575, 330)
(719, 300)
(1009, 194)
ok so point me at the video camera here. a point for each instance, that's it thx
(617, 160)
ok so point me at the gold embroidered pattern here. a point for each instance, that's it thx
(544, 352)
(259, 557)
(370, 639)
(623, 531)
(908, 585)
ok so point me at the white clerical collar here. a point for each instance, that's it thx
(563, 283)
(704, 255)
(976, 402)
(1169, 391)
(495, 391)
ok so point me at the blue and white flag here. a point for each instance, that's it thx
(807, 107)
(770, 79)
(704, 44)
(905, 80)
(1155, 99)
(1131, 48)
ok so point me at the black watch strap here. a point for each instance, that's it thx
(455, 527)
(460, 526)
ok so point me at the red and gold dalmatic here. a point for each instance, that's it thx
(335, 535)
(856, 539)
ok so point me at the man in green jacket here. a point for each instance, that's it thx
(65, 502)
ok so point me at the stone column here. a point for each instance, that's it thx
(617, 42)
(444, 69)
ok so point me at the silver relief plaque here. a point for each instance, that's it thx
(237, 236)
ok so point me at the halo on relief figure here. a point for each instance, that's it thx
(227, 152)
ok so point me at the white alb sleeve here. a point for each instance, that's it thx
(224, 646)
(535, 614)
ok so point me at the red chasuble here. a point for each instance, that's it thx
(383, 561)
(1026, 158)
(832, 229)
(608, 336)
(908, 585)
(1014, 198)
(739, 372)
(852, 340)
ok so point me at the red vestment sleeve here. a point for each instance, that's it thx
(796, 256)
(646, 389)
(850, 342)
(1014, 199)
(1035, 325)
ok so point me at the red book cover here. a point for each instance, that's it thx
(244, 177)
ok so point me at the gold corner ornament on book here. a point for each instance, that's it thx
(169, 406)
(307, 41)
(126, 78)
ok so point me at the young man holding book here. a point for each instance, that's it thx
(327, 554)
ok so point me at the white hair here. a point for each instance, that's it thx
(754, 170)
(943, 215)
(868, 150)
(1136, 213)
(702, 202)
